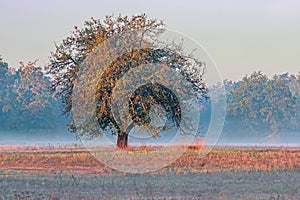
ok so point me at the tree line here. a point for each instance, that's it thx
(257, 103)
(25, 100)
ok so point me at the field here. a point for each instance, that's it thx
(71, 172)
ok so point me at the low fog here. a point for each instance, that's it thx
(64, 137)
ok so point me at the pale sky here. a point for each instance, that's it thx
(240, 36)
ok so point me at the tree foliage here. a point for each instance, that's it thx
(262, 103)
(26, 102)
(73, 52)
(65, 61)
(3, 85)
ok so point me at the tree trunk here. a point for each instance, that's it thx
(122, 141)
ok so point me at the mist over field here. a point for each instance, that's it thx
(228, 138)
(37, 137)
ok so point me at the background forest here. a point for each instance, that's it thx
(257, 104)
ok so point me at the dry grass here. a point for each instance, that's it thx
(77, 160)
(71, 172)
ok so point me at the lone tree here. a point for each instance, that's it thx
(71, 54)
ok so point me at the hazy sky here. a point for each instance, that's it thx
(240, 36)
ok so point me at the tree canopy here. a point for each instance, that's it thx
(25, 101)
(74, 51)
(263, 103)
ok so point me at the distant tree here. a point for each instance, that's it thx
(34, 101)
(295, 89)
(247, 100)
(3, 69)
(3, 87)
(262, 103)
(280, 103)
(65, 63)
(28, 103)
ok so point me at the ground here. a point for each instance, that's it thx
(71, 172)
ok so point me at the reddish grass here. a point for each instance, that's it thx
(75, 159)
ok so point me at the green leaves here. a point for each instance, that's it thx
(26, 102)
(263, 103)
(126, 43)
